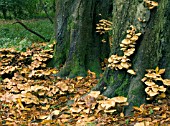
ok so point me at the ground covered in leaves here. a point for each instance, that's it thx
(31, 95)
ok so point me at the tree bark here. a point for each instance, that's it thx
(153, 49)
(79, 47)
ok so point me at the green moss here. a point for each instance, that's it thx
(77, 71)
(136, 90)
(123, 89)
(57, 59)
(105, 79)
(94, 66)
(136, 102)
(70, 23)
(119, 76)
(136, 95)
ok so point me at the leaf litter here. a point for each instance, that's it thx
(30, 95)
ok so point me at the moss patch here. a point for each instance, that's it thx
(123, 89)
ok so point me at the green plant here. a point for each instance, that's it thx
(127, 121)
(14, 35)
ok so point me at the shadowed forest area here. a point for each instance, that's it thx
(84, 63)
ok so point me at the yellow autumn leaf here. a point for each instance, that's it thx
(20, 103)
(161, 71)
(45, 107)
(46, 122)
(54, 71)
(157, 70)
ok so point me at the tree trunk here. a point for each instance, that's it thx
(79, 47)
(153, 48)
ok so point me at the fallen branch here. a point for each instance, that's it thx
(30, 30)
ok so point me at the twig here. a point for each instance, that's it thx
(30, 30)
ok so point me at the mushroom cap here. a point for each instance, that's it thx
(107, 104)
(129, 52)
(75, 109)
(128, 36)
(110, 111)
(120, 99)
(116, 61)
(122, 45)
(125, 59)
(110, 60)
(166, 82)
(149, 83)
(126, 41)
(131, 72)
(144, 79)
(123, 49)
(125, 65)
(134, 38)
(119, 66)
(152, 75)
(132, 45)
(138, 34)
(94, 94)
(150, 92)
(162, 88)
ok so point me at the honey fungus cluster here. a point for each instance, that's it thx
(151, 80)
(128, 47)
(103, 26)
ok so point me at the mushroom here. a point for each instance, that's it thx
(149, 83)
(126, 41)
(150, 92)
(107, 104)
(166, 82)
(125, 65)
(138, 34)
(134, 38)
(119, 99)
(110, 111)
(162, 88)
(129, 52)
(131, 72)
(128, 36)
(94, 94)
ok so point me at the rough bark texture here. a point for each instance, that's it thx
(153, 49)
(79, 47)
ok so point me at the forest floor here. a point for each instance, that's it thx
(31, 96)
(12, 34)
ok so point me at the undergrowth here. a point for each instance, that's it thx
(14, 35)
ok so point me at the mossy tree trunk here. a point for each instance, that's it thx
(79, 47)
(153, 48)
